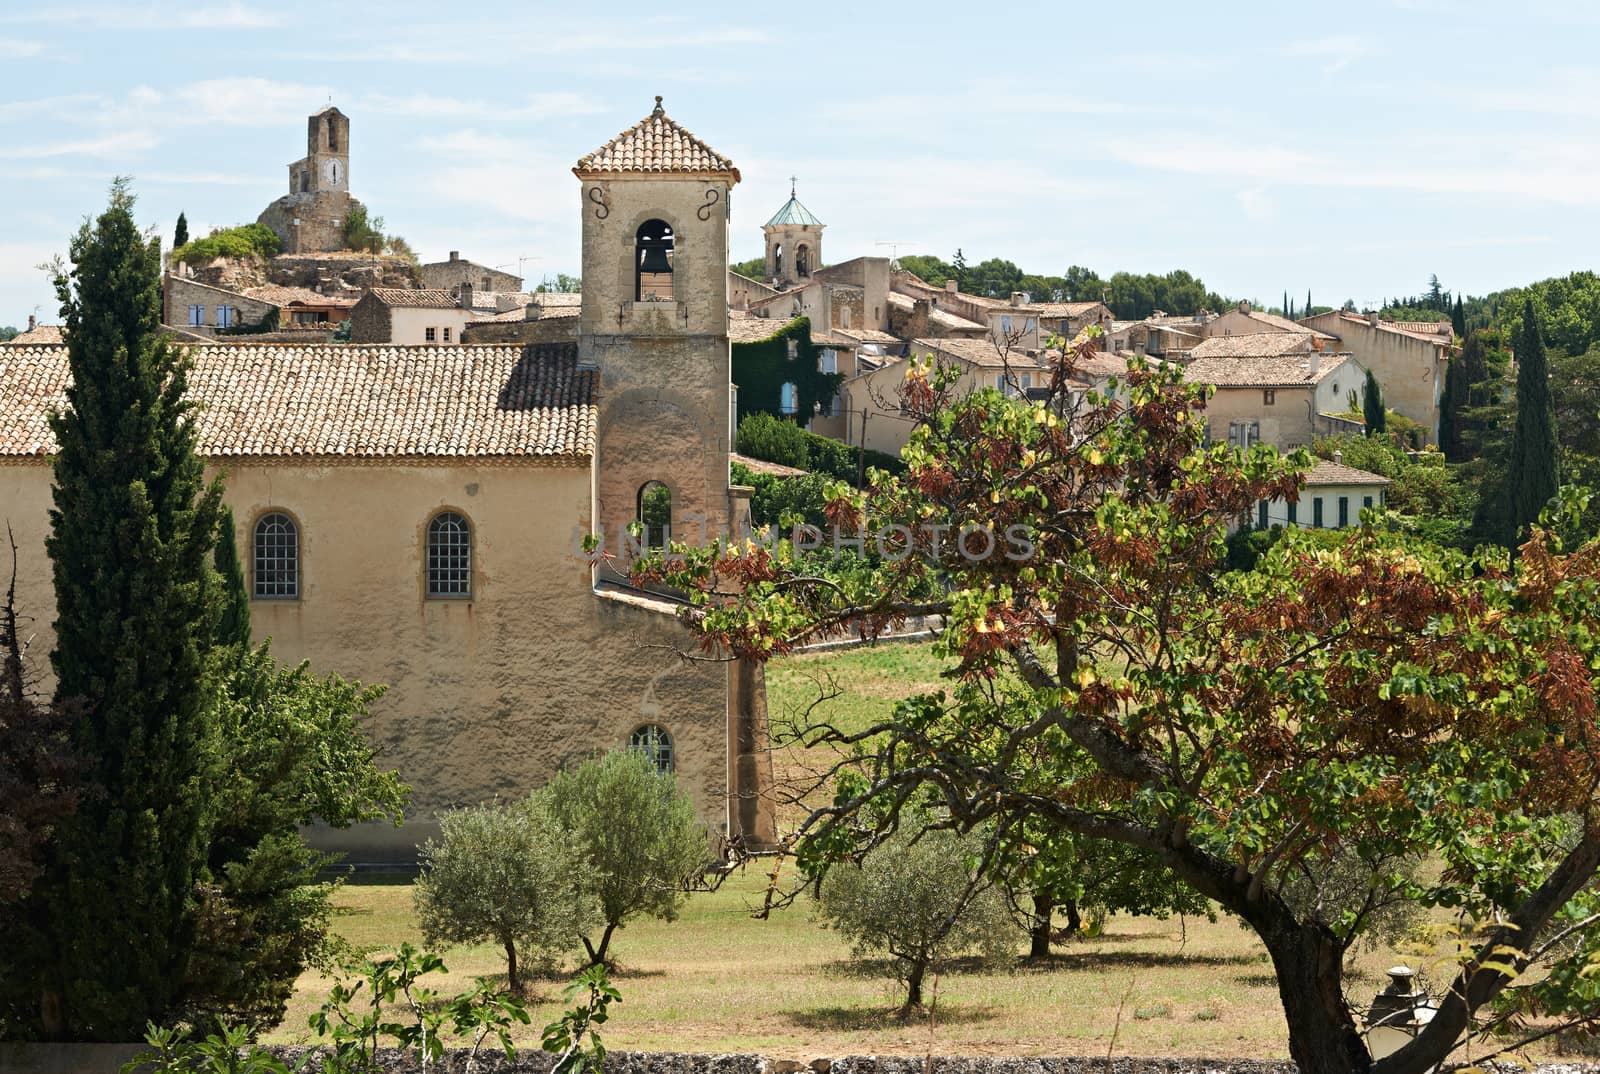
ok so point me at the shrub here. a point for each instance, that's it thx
(503, 874)
(636, 835)
(916, 898)
(362, 232)
(244, 242)
(762, 436)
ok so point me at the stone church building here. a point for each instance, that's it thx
(412, 516)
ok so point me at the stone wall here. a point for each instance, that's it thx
(309, 222)
(178, 294)
(542, 330)
(105, 1059)
(450, 275)
(342, 275)
(370, 321)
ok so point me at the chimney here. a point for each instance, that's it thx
(1372, 318)
(33, 322)
(1244, 305)
(1316, 364)
(950, 286)
(1338, 457)
(1017, 297)
(465, 296)
(455, 255)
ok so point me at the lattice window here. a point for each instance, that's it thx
(449, 556)
(653, 741)
(277, 557)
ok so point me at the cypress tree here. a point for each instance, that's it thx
(1458, 319)
(1531, 473)
(1455, 401)
(180, 234)
(233, 626)
(133, 527)
(1308, 302)
(1372, 409)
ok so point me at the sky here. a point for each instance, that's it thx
(1350, 150)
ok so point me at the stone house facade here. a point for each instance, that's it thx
(451, 274)
(1409, 362)
(192, 305)
(1333, 498)
(1285, 401)
(408, 318)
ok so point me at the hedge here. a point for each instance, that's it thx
(762, 436)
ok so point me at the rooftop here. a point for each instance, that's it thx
(1253, 345)
(1337, 473)
(794, 213)
(656, 144)
(1274, 323)
(339, 400)
(984, 353)
(420, 298)
(43, 333)
(1290, 371)
(289, 296)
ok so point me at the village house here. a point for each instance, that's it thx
(428, 316)
(1333, 498)
(456, 271)
(413, 515)
(1285, 401)
(1408, 359)
(1245, 320)
(1158, 336)
(1030, 325)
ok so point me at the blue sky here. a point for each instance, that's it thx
(1351, 149)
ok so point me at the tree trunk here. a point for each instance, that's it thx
(1039, 934)
(1074, 922)
(914, 985)
(1323, 1038)
(512, 985)
(597, 955)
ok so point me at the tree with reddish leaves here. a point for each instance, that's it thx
(1344, 712)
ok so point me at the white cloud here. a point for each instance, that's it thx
(233, 16)
(535, 106)
(1338, 51)
(12, 49)
(160, 18)
(112, 145)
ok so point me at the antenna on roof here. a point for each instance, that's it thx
(894, 246)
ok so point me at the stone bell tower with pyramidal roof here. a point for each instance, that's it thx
(794, 242)
(655, 325)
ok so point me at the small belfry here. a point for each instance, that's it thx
(794, 242)
(654, 324)
(310, 218)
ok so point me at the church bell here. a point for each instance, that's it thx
(655, 260)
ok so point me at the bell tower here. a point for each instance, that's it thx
(654, 323)
(794, 242)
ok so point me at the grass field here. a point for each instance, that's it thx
(719, 980)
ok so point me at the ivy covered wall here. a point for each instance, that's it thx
(761, 369)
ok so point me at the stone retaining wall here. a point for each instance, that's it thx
(106, 1058)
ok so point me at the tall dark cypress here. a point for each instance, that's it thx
(1372, 408)
(1458, 319)
(1451, 407)
(1308, 302)
(1532, 475)
(180, 234)
(233, 625)
(132, 536)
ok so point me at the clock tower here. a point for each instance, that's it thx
(326, 165)
(310, 218)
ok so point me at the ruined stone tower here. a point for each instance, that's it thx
(310, 218)
(655, 325)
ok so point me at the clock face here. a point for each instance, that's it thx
(332, 173)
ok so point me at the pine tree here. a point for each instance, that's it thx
(1458, 319)
(180, 234)
(1531, 472)
(132, 531)
(1372, 409)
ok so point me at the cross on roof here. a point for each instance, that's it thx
(791, 186)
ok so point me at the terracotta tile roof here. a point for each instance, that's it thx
(333, 400)
(1283, 324)
(1254, 345)
(40, 334)
(422, 298)
(762, 466)
(868, 335)
(284, 296)
(1061, 309)
(983, 353)
(1442, 329)
(1402, 328)
(937, 314)
(743, 328)
(551, 299)
(655, 144)
(1292, 371)
(1337, 473)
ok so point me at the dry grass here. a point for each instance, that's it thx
(718, 980)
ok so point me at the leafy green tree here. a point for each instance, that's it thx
(363, 232)
(1082, 285)
(1533, 465)
(754, 269)
(180, 234)
(1372, 407)
(245, 242)
(8, 333)
(917, 897)
(342, 333)
(107, 930)
(636, 834)
(927, 268)
(503, 874)
(765, 436)
(1381, 704)
(563, 284)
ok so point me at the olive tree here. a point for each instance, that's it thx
(919, 897)
(504, 874)
(635, 835)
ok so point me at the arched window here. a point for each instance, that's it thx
(277, 558)
(788, 399)
(653, 270)
(653, 741)
(449, 556)
(655, 514)
(802, 260)
(777, 260)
